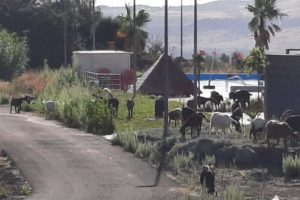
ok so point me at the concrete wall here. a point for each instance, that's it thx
(116, 61)
(282, 84)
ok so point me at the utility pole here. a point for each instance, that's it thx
(181, 34)
(65, 33)
(195, 54)
(166, 99)
(93, 24)
(134, 47)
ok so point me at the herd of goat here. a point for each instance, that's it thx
(286, 127)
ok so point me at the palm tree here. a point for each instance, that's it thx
(262, 26)
(127, 29)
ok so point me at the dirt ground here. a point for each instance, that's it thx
(13, 185)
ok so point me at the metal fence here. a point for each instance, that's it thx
(104, 80)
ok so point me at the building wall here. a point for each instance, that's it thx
(94, 61)
(282, 85)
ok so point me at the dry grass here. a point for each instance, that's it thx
(30, 82)
(4, 87)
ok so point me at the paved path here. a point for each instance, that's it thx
(67, 164)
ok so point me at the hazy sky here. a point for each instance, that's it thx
(149, 2)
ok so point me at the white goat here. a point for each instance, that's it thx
(108, 92)
(257, 125)
(50, 107)
(221, 121)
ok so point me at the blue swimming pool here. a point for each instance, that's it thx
(206, 76)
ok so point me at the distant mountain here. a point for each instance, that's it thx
(222, 25)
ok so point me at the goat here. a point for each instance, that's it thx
(202, 101)
(186, 113)
(222, 121)
(17, 102)
(208, 106)
(195, 120)
(243, 96)
(130, 105)
(190, 103)
(277, 130)
(159, 107)
(257, 125)
(175, 115)
(235, 105)
(50, 107)
(216, 98)
(237, 114)
(113, 105)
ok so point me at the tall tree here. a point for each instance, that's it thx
(262, 26)
(127, 29)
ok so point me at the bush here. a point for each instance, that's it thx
(291, 165)
(233, 193)
(181, 162)
(4, 98)
(128, 141)
(144, 150)
(13, 55)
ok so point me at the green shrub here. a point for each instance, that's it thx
(128, 141)
(233, 193)
(4, 98)
(26, 189)
(144, 150)
(291, 165)
(181, 162)
(27, 107)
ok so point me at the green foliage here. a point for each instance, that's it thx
(4, 98)
(181, 162)
(75, 107)
(144, 150)
(291, 165)
(13, 55)
(128, 141)
(233, 193)
(26, 189)
(256, 60)
(262, 24)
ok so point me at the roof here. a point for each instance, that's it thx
(153, 80)
(102, 52)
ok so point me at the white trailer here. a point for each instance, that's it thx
(96, 61)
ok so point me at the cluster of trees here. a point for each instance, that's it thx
(53, 29)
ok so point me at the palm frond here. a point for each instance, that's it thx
(277, 28)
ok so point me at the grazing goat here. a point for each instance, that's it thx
(190, 103)
(195, 120)
(242, 95)
(208, 106)
(17, 102)
(277, 130)
(159, 107)
(222, 121)
(130, 105)
(216, 98)
(237, 114)
(186, 113)
(113, 105)
(257, 125)
(50, 107)
(175, 115)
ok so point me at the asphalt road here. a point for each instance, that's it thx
(66, 164)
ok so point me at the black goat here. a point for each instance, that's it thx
(243, 96)
(17, 102)
(130, 106)
(195, 120)
(113, 104)
(202, 101)
(186, 113)
(216, 99)
(175, 115)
